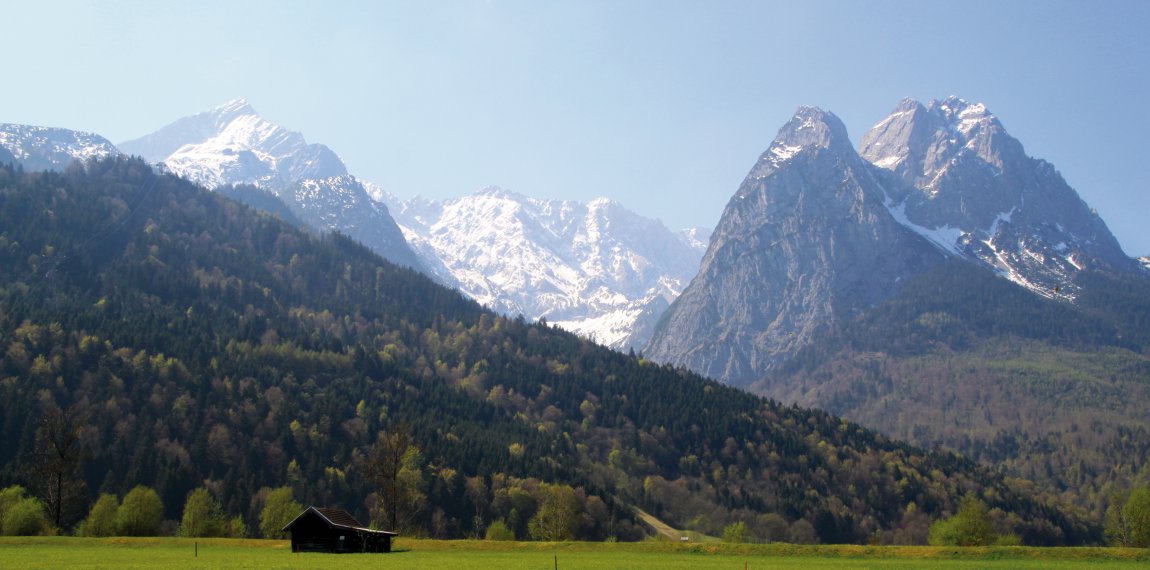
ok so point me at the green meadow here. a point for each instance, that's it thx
(127, 553)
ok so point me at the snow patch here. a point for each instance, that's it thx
(1003, 217)
(947, 238)
(889, 162)
(781, 152)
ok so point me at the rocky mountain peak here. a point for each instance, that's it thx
(237, 106)
(807, 121)
(959, 111)
(918, 142)
(806, 238)
(813, 127)
(970, 187)
(499, 192)
(815, 233)
(810, 129)
(232, 144)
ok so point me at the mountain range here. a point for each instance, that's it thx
(596, 269)
(940, 286)
(819, 232)
(179, 339)
(937, 284)
(946, 171)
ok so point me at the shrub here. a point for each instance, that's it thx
(26, 518)
(141, 513)
(20, 514)
(202, 515)
(970, 526)
(236, 528)
(735, 532)
(499, 531)
(101, 519)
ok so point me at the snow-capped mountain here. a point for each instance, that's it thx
(596, 269)
(818, 232)
(971, 188)
(232, 144)
(806, 239)
(46, 148)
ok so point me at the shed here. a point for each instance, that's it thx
(334, 530)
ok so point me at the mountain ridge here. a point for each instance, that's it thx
(232, 144)
(48, 148)
(594, 268)
(947, 172)
(980, 195)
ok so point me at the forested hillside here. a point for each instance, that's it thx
(960, 358)
(187, 340)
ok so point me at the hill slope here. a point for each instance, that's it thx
(203, 343)
(960, 358)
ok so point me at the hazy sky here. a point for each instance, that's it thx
(662, 105)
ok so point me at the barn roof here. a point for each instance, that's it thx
(337, 518)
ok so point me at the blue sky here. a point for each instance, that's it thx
(663, 106)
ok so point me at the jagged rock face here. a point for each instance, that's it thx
(970, 187)
(46, 148)
(232, 144)
(596, 269)
(341, 203)
(806, 238)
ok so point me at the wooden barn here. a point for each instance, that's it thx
(334, 530)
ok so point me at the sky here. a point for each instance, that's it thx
(663, 106)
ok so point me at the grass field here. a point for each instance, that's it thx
(67, 552)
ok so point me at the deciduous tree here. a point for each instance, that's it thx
(970, 526)
(394, 466)
(280, 507)
(56, 463)
(101, 519)
(735, 532)
(202, 515)
(558, 514)
(141, 513)
(21, 514)
(1128, 521)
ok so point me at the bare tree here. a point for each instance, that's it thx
(386, 468)
(56, 462)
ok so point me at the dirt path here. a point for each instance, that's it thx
(660, 527)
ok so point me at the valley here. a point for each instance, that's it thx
(937, 286)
